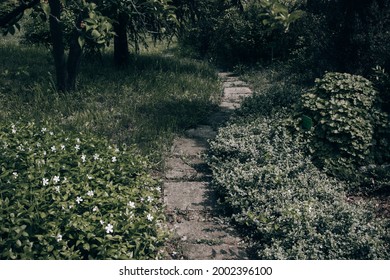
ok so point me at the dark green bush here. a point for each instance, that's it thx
(342, 108)
(288, 207)
(69, 196)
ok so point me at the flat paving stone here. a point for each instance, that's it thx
(178, 169)
(226, 74)
(226, 105)
(213, 252)
(203, 132)
(201, 231)
(188, 196)
(237, 90)
(238, 83)
(187, 147)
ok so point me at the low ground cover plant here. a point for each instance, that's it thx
(290, 208)
(74, 196)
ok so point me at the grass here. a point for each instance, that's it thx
(157, 96)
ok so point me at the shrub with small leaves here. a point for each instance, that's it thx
(73, 196)
(289, 208)
(344, 117)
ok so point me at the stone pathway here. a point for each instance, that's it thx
(191, 206)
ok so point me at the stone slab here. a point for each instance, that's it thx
(238, 83)
(188, 196)
(177, 169)
(226, 105)
(218, 118)
(188, 147)
(203, 132)
(226, 74)
(237, 90)
(205, 231)
(216, 252)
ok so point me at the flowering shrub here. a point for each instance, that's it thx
(289, 208)
(67, 196)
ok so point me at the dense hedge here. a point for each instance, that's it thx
(70, 196)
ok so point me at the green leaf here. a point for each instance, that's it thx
(307, 122)
(81, 41)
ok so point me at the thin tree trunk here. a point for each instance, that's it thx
(74, 58)
(121, 48)
(57, 36)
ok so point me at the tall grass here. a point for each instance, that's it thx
(145, 104)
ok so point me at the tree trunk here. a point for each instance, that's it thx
(57, 35)
(121, 48)
(74, 58)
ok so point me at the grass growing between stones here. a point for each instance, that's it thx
(145, 104)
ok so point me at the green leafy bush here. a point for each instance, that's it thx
(70, 196)
(288, 207)
(342, 108)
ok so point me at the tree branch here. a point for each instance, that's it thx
(17, 12)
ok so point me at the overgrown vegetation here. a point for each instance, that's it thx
(291, 209)
(44, 215)
(75, 196)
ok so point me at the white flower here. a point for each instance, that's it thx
(83, 157)
(113, 159)
(44, 153)
(79, 200)
(13, 130)
(116, 150)
(149, 217)
(150, 199)
(59, 237)
(45, 182)
(53, 149)
(109, 228)
(15, 174)
(131, 204)
(101, 222)
(38, 144)
(56, 179)
(90, 193)
(95, 156)
(89, 177)
(95, 209)
(77, 147)
(70, 206)
(51, 133)
(78, 140)
(158, 189)
(57, 188)
(43, 129)
(62, 147)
